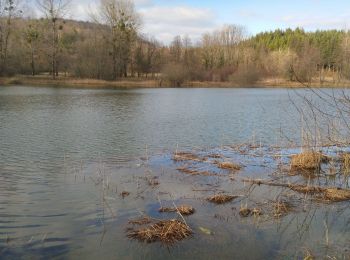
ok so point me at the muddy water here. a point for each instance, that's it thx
(66, 155)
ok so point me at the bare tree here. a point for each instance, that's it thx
(32, 37)
(9, 9)
(54, 10)
(123, 22)
(220, 48)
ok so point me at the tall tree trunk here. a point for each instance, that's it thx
(32, 62)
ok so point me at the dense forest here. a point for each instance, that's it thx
(110, 47)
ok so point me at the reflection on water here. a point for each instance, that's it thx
(55, 144)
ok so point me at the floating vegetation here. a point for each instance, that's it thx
(215, 156)
(257, 212)
(141, 221)
(308, 161)
(189, 171)
(205, 231)
(229, 166)
(345, 159)
(187, 156)
(124, 194)
(332, 194)
(165, 231)
(221, 198)
(336, 194)
(245, 212)
(281, 208)
(183, 210)
(152, 181)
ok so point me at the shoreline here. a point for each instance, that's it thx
(66, 82)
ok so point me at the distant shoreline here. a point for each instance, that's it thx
(66, 82)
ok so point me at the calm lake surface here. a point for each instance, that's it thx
(53, 141)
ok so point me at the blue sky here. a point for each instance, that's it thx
(166, 18)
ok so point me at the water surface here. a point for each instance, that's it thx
(56, 142)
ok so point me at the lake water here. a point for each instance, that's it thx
(53, 142)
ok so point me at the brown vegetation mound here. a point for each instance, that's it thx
(166, 231)
(309, 161)
(346, 163)
(195, 172)
(336, 194)
(229, 166)
(221, 198)
(124, 194)
(141, 221)
(332, 194)
(186, 156)
(183, 210)
(281, 209)
(245, 212)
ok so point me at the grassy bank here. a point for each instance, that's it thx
(156, 83)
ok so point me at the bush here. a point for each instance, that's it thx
(246, 75)
(175, 74)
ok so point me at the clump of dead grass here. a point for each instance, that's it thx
(215, 156)
(185, 210)
(165, 231)
(281, 208)
(336, 194)
(152, 181)
(229, 166)
(245, 212)
(124, 194)
(221, 198)
(186, 156)
(308, 161)
(345, 159)
(328, 194)
(257, 212)
(141, 221)
(195, 172)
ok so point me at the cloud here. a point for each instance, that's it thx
(312, 22)
(161, 22)
(167, 22)
(248, 14)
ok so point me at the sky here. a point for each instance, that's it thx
(164, 19)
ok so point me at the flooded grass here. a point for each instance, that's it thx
(260, 197)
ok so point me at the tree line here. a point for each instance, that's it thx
(111, 47)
